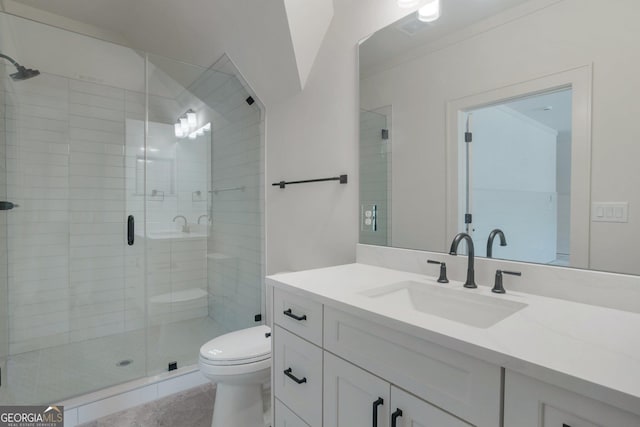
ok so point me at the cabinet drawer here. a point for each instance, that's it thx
(532, 403)
(457, 383)
(286, 418)
(297, 375)
(299, 315)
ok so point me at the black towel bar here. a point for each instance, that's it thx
(341, 178)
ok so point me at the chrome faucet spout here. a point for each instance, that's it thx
(185, 227)
(492, 235)
(470, 282)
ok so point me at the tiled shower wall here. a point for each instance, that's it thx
(72, 276)
(67, 252)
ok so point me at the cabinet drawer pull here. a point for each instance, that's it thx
(565, 425)
(293, 316)
(377, 403)
(288, 373)
(395, 416)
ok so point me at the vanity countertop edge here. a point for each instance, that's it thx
(590, 350)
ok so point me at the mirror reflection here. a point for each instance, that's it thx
(545, 89)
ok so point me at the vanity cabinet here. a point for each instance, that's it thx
(531, 403)
(356, 398)
(336, 377)
(297, 360)
(457, 383)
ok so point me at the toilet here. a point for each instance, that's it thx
(239, 363)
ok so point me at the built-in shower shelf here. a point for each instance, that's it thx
(179, 296)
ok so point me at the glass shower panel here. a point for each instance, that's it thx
(203, 199)
(375, 178)
(72, 294)
(4, 267)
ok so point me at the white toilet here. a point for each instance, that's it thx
(239, 363)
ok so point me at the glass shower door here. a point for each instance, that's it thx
(4, 212)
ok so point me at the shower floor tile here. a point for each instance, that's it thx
(58, 373)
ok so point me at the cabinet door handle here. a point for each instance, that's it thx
(565, 425)
(288, 373)
(293, 316)
(395, 416)
(377, 403)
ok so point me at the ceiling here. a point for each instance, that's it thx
(459, 19)
(551, 109)
(254, 34)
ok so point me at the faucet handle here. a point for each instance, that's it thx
(497, 286)
(443, 271)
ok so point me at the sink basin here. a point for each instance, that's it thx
(468, 307)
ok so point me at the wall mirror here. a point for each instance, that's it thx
(546, 92)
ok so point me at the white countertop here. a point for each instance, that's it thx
(594, 351)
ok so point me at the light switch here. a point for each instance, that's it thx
(610, 212)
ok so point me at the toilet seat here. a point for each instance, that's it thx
(251, 346)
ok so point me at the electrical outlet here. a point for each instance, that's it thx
(368, 217)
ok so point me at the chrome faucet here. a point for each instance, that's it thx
(185, 227)
(470, 283)
(202, 216)
(492, 235)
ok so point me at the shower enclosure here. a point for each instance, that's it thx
(138, 231)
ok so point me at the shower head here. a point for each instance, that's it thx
(22, 73)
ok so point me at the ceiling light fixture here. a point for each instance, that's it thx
(430, 11)
(187, 125)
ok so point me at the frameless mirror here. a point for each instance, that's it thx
(508, 115)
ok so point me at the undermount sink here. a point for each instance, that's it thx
(461, 306)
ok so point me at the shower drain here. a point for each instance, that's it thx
(124, 363)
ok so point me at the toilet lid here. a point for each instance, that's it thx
(243, 346)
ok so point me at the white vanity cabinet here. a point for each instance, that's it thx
(335, 378)
(459, 384)
(356, 398)
(531, 403)
(297, 360)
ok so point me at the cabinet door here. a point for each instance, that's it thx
(532, 403)
(353, 397)
(285, 418)
(409, 411)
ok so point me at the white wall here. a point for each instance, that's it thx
(560, 37)
(314, 134)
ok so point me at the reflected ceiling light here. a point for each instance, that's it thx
(184, 124)
(430, 11)
(191, 118)
(407, 3)
(187, 126)
(178, 130)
